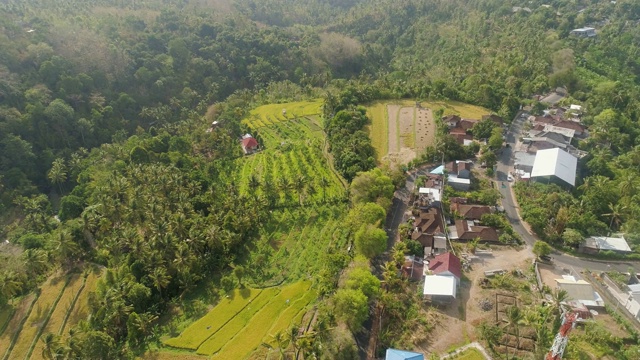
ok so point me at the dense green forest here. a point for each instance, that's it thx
(104, 107)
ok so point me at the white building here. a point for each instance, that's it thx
(555, 163)
(584, 32)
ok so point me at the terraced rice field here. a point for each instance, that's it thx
(21, 312)
(80, 309)
(39, 316)
(274, 113)
(65, 304)
(239, 324)
(202, 329)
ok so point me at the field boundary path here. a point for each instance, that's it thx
(474, 345)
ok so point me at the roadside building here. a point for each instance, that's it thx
(596, 244)
(580, 291)
(555, 164)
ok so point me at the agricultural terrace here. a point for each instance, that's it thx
(237, 326)
(294, 167)
(57, 307)
(399, 130)
(271, 114)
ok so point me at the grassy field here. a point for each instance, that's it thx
(38, 317)
(377, 111)
(202, 329)
(273, 113)
(470, 354)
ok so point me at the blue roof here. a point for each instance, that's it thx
(438, 171)
(393, 354)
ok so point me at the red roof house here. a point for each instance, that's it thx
(470, 212)
(249, 145)
(446, 264)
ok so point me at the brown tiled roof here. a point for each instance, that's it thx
(446, 262)
(424, 239)
(429, 221)
(568, 124)
(467, 124)
(471, 212)
(466, 232)
(460, 138)
(544, 120)
(495, 118)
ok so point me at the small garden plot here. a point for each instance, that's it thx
(252, 335)
(206, 326)
(238, 322)
(274, 113)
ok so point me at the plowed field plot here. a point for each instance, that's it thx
(401, 130)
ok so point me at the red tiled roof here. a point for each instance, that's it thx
(249, 143)
(451, 118)
(446, 262)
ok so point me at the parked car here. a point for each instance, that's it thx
(545, 258)
(509, 178)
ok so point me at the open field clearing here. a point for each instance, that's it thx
(49, 296)
(274, 113)
(202, 329)
(399, 130)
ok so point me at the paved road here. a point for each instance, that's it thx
(509, 204)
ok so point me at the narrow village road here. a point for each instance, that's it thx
(509, 203)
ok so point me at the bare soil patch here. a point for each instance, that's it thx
(425, 129)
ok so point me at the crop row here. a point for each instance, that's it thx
(206, 326)
(237, 323)
(252, 335)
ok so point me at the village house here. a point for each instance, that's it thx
(580, 291)
(249, 144)
(428, 226)
(467, 230)
(459, 174)
(441, 285)
(451, 121)
(470, 212)
(596, 244)
(495, 118)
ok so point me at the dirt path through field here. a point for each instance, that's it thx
(393, 111)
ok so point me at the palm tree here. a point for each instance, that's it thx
(558, 296)
(299, 184)
(160, 278)
(284, 186)
(50, 344)
(9, 286)
(514, 319)
(58, 173)
(282, 342)
(616, 213)
(324, 184)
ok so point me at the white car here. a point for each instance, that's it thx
(509, 178)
